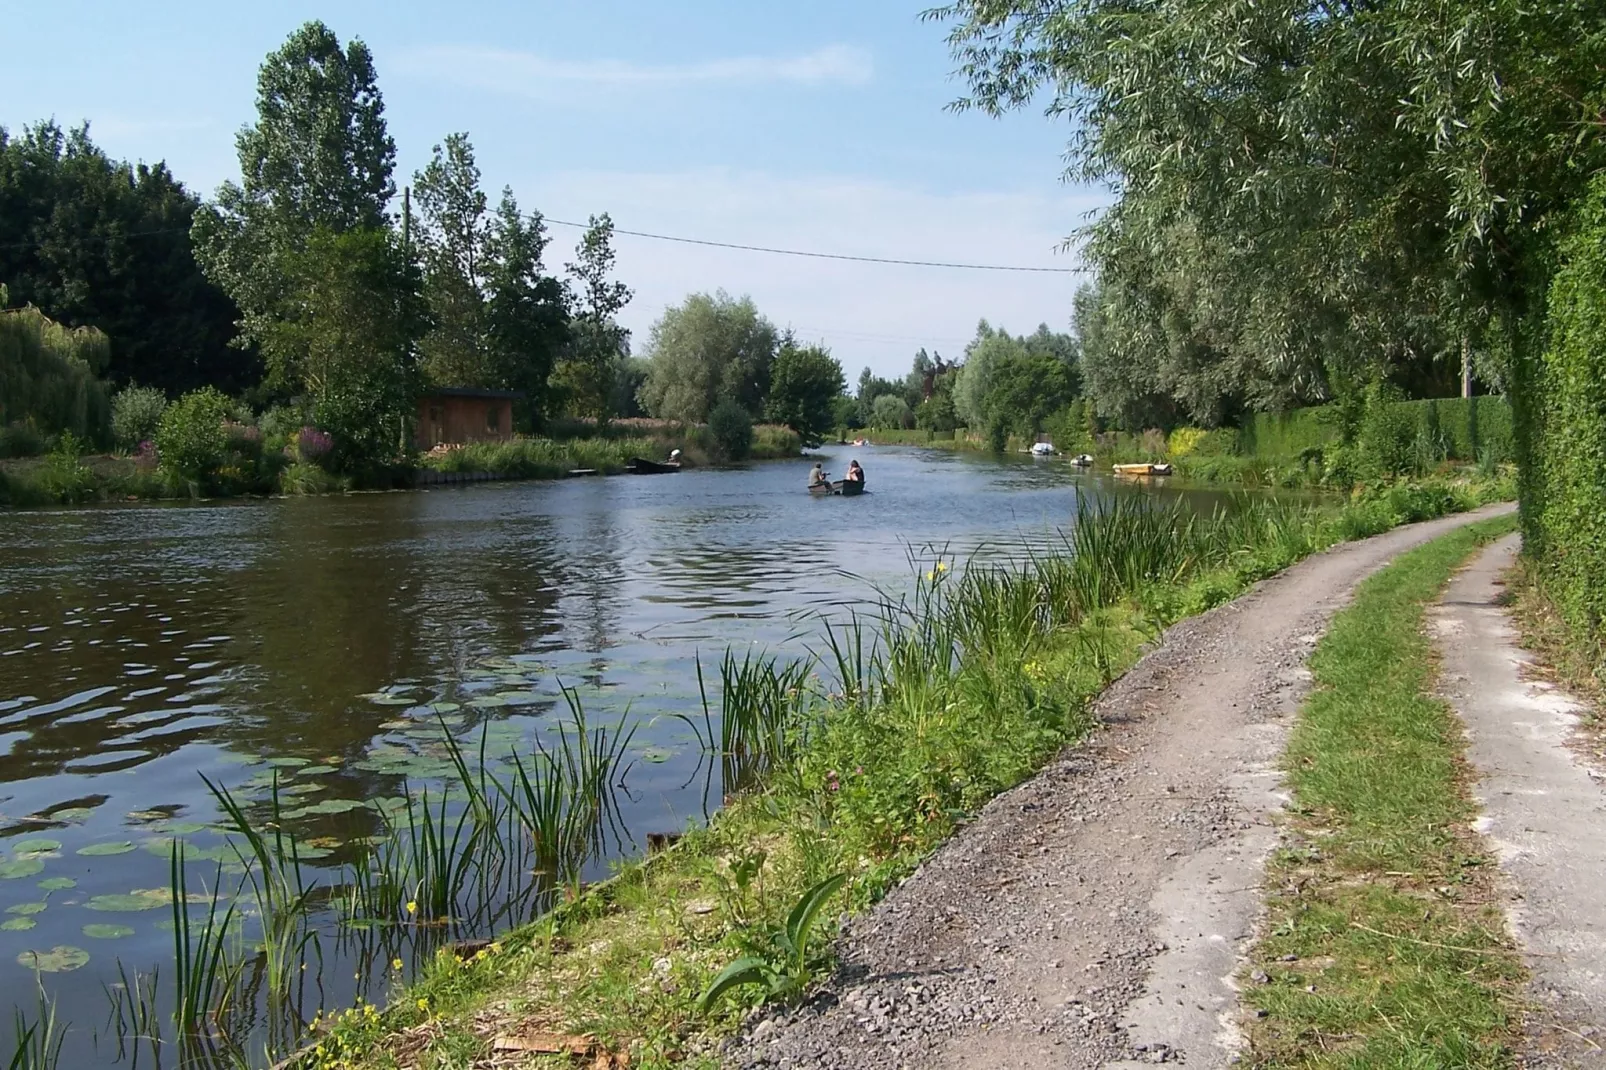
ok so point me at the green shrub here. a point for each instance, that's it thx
(21, 439)
(136, 414)
(732, 429)
(1386, 445)
(191, 439)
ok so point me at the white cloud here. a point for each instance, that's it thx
(869, 314)
(527, 74)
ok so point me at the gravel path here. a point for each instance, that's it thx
(1544, 810)
(1093, 916)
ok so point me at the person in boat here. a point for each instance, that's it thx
(855, 473)
(817, 476)
(674, 456)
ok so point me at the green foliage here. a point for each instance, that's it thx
(1566, 522)
(705, 350)
(48, 376)
(349, 342)
(191, 439)
(890, 412)
(499, 320)
(732, 430)
(589, 374)
(21, 439)
(136, 414)
(94, 242)
(805, 382)
(787, 960)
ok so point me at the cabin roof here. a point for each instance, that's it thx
(473, 392)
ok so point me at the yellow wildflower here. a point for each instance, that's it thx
(412, 906)
(423, 1004)
(396, 964)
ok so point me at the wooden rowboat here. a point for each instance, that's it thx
(1141, 470)
(640, 466)
(847, 488)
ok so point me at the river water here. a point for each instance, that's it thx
(316, 641)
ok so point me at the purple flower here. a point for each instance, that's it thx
(313, 445)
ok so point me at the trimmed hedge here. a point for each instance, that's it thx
(1469, 428)
(1564, 488)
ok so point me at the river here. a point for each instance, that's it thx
(320, 640)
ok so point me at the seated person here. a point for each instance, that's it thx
(817, 476)
(855, 473)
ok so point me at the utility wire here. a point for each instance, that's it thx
(826, 256)
(692, 241)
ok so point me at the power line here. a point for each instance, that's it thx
(827, 256)
(684, 241)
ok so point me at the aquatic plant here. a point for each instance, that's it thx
(37, 1042)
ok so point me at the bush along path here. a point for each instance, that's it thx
(1543, 809)
(1093, 915)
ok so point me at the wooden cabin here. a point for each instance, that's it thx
(454, 416)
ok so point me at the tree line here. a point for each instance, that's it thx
(1316, 196)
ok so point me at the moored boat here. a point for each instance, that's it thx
(640, 466)
(1083, 460)
(1140, 470)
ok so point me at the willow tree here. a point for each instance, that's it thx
(48, 375)
(1321, 184)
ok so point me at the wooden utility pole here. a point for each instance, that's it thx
(1466, 367)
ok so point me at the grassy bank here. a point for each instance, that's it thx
(853, 767)
(546, 458)
(66, 478)
(1384, 945)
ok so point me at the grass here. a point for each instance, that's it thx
(906, 721)
(1385, 945)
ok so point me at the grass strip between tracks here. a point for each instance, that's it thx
(1384, 942)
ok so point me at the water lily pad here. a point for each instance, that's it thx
(380, 698)
(335, 806)
(656, 755)
(130, 901)
(98, 850)
(487, 701)
(444, 707)
(57, 884)
(35, 846)
(181, 828)
(59, 959)
(14, 925)
(71, 813)
(315, 770)
(107, 932)
(301, 789)
(12, 868)
(26, 908)
(286, 762)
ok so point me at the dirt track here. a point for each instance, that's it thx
(1092, 917)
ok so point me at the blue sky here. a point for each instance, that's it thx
(815, 126)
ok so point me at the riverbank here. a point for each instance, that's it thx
(863, 784)
(71, 479)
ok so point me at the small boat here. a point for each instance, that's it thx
(640, 466)
(1083, 460)
(861, 442)
(1140, 470)
(1042, 449)
(847, 488)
